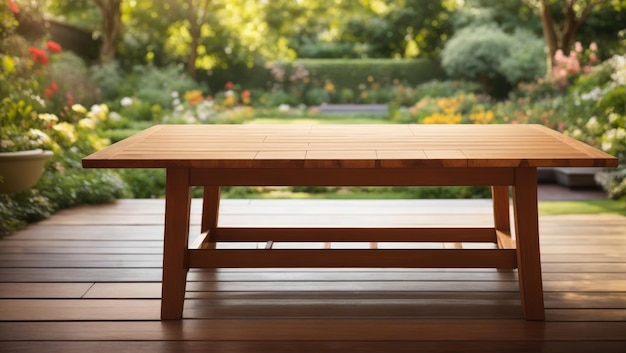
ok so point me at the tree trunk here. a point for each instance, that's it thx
(549, 33)
(197, 15)
(565, 37)
(111, 26)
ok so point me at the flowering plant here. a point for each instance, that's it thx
(24, 86)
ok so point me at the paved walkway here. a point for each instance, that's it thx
(555, 192)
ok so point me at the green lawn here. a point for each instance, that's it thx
(324, 119)
(582, 207)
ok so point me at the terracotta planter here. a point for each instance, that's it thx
(20, 171)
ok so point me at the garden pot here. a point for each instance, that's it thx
(21, 170)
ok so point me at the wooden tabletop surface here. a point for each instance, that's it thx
(366, 146)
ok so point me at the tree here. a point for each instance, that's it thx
(111, 11)
(102, 17)
(560, 28)
(197, 13)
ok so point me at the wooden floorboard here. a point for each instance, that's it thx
(88, 279)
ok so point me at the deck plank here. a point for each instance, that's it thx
(88, 279)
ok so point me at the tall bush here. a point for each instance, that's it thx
(495, 59)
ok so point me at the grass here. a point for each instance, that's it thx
(324, 119)
(312, 121)
(549, 208)
(546, 208)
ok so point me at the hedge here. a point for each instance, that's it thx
(343, 73)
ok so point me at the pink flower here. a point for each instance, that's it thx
(593, 58)
(593, 46)
(228, 85)
(578, 47)
(558, 55)
(54, 47)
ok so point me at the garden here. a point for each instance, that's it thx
(490, 69)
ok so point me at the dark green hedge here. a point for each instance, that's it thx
(343, 73)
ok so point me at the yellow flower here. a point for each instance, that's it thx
(194, 97)
(438, 118)
(450, 105)
(329, 87)
(79, 108)
(87, 123)
(482, 117)
(8, 63)
(66, 130)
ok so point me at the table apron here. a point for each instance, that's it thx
(490, 176)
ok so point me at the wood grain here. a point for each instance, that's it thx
(347, 146)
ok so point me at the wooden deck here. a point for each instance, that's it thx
(88, 280)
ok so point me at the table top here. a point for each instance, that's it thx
(348, 146)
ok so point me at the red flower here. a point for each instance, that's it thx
(13, 6)
(245, 94)
(39, 55)
(54, 47)
(51, 90)
(228, 85)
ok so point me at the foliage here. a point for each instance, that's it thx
(525, 61)
(605, 128)
(33, 117)
(494, 58)
(508, 15)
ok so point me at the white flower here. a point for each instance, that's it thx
(284, 108)
(126, 101)
(48, 117)
(606, 146)
(174, 94)
(595, 94)
(229, 93)
(592, 123)
(95, 109)
(38, 135)
(115, 116)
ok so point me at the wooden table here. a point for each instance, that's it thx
(212, 156)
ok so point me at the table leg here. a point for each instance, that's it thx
(210, 208)
(175, 246)
(501, 217)
(527, 240)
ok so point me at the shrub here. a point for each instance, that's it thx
(74, 83)
(476, 53)
(155, 85)
(526, 61)
(344, 73)
(110, 81)
(495, 59)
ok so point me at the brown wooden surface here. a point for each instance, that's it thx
(348, 146)
(105, 296)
